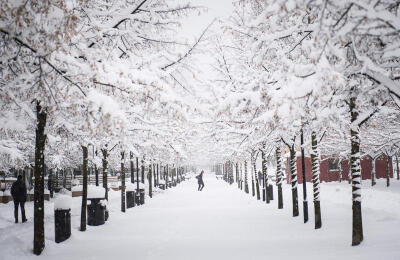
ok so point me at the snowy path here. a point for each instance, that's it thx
(219, 223)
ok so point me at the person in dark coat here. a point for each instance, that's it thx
(200, 180)
(18, 192)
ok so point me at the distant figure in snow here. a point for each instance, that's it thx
(200, 180)
(18, 192)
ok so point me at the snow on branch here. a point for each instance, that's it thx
(58, 71)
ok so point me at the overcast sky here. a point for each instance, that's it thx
(194, 25)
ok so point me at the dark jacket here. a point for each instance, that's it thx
(199, 178)
(18, 191)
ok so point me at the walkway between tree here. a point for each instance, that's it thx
(221, 222)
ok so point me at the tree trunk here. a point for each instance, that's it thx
(264, 172)
(239, 169)
(166, 177)
(315, 179)
(293, 178)
(241, 177)
(132, 168)
(388, 170)
(357, 235)
(253, 192)
(154, 174)
(57, 177)
(64, 174)
(246, 184)
(96, 172)
(237, 172)
(223, 172)
(232, 176)
(171, 173)
(143, 171)
(84, 189)
(279, 174)
(158, 174)
(50, 184)
(397, 167)
(105, 171)
(162, 172)
(229, 170)
(150, 182)
(373, 172)
(137, 174)
(38, 231)
(123, 204)
(257, 182)
(303, 173)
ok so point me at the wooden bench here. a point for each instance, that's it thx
(111, 181)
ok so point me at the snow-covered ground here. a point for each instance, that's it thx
(221, 222)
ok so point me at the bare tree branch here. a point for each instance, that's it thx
(343, 15)
(302, 39)
(372, 114)
(191, 49)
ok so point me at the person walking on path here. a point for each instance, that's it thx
(18, 192)
(200, 180)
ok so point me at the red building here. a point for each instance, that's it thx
(330, 169)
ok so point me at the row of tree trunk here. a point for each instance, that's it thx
(357, 234)
(242, 179)
(40, 141)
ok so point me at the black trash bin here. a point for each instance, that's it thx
(62, 221)
(130, 199)
(270, 192)
(95, 212)
(161, 186)
(140, 197)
